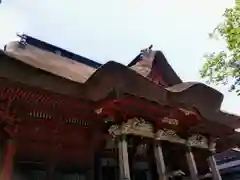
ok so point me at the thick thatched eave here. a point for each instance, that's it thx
(116, 76)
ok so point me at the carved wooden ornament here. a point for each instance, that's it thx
(198, 141)
(170, 121)
(186, 112)
(147, 54)
(134, 126)
(169, 135)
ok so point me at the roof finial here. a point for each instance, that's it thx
(22, 42)
(147, 53)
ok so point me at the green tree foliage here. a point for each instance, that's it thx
(224, 66)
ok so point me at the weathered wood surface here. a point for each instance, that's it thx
(115, 76)
(50, 62)
(61, 66)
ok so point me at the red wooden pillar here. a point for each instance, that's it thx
(8, 161)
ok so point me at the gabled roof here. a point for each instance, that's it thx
(96, 84)
(160, 69)
(205, 99)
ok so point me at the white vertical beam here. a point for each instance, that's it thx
(161, 169)
(123, 158)
(213, 165)
(191, 164)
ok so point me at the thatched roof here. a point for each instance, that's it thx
(96, 84)
(50, 62)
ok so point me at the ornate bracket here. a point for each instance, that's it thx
(198, 141)
(134, 126)
(114, 131)
(169, 135)
(139, 127)
(170, 121)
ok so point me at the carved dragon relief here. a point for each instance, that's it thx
(135, 126)
(198, 141)
(139, 127)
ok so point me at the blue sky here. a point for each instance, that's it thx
(117, 30)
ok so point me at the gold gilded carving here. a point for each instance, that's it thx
(114, 130)
(169, 135)
(134, 126)
(138, 127)
(170, 121)
(198, 141)
(212, 144)
(186, 112)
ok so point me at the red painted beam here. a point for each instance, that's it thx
(15, 91)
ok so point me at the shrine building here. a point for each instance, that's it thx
(66, 117)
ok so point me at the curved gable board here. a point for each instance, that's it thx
(161, 66)
(159, 70)
(113, 75)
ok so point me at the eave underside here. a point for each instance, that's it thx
(130, 84)
(114, 76)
